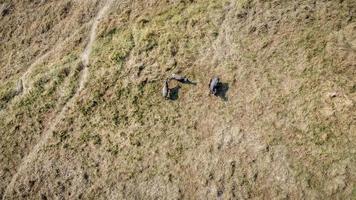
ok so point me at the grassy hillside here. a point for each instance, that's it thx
(284, 129)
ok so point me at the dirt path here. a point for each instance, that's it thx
(24, 79)
(88, 48)
(59, 47)
(82, 81)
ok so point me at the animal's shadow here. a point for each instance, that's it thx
(174, 93)
(222, 89)
(187, 81)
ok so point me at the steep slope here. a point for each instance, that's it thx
(284, 126)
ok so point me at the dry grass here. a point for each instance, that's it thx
(278, 134)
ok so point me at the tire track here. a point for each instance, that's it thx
(82, 81)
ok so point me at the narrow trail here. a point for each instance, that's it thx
(24, 79)
(82, 81)
(88, 48)
(42, 58)
(25, 76)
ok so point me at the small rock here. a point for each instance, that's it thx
(324, 137)
(43, 197)
(333, 94)
(19, 87)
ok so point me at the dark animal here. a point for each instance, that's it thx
(165, 89)
(182, 79)
(179, 78)
(213, 85)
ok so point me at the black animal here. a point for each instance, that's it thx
(213, 85)
(165, 89)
